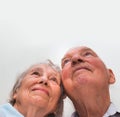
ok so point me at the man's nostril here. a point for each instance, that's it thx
(74, 62)
(80, 60)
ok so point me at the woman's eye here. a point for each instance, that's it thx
(54, 79)
(36, 73)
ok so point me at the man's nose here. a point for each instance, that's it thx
(76, 59)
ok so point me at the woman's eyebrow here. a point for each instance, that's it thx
(36, 69)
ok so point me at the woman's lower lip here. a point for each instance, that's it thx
(41, 90)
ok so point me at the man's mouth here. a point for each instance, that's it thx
(81, 68)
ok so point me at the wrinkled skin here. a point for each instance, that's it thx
(39, 92)
(86, 81)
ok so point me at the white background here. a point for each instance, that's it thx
(34, 30)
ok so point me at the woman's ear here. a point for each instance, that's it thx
(112, 77)
(15, 94)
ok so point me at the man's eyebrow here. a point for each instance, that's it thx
(85, 49)
(66, 56)
(62, 58)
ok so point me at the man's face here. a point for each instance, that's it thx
(84, 72)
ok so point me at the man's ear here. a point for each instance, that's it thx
(64, 96)
(112, 77)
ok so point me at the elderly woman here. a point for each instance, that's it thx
(38, 92)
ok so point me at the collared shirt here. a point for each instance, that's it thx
(7, 110)
(111, 111)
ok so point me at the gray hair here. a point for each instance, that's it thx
(59, 110)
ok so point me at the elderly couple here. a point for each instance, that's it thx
(39, 91)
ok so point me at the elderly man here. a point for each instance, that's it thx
(86, 80)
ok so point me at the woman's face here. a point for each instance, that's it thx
(40, 88)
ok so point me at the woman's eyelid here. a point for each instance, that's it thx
(36, 73)
(54, 78)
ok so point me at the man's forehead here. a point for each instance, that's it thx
(79, 48)
(72, 50)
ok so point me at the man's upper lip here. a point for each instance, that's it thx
(81, 67)
(41, 89)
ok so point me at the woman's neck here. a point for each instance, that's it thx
(31, 111)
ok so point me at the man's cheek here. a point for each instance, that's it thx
(65, 74)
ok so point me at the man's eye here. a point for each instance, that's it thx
(65, 61)
(88, 54)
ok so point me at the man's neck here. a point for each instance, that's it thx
(91, 107)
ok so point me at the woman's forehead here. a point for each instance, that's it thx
(42, 67)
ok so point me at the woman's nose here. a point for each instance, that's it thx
(43, 80)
